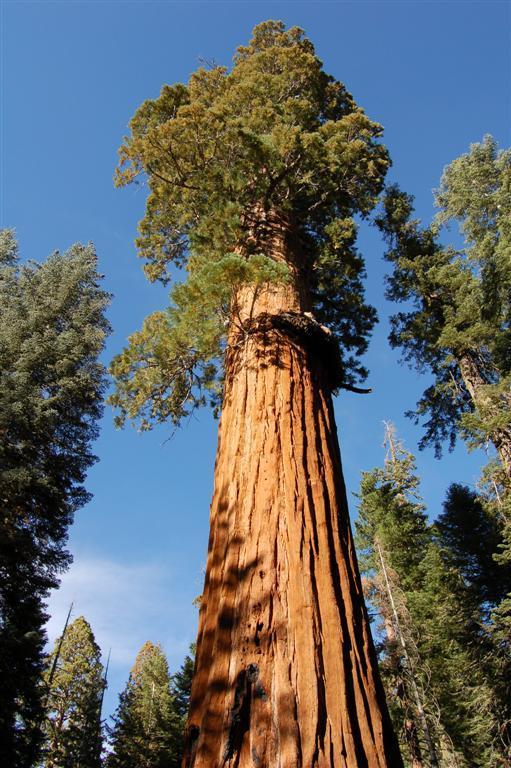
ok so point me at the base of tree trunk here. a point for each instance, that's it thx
(286, 673)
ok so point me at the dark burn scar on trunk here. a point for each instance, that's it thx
(247, 688)
(190, 745)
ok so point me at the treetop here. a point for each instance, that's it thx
(225, 156)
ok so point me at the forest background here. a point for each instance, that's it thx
(437, 75)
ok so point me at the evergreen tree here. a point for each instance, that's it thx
(75, 683)
(470, 534)
(459, 326)
(392, 537)
(147, 730)
(435, 656)
(52, 329)
(181, 685)
(256, 175)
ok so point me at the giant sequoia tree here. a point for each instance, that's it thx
(52, 329)
(256, 175)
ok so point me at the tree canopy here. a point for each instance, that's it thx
(459, 324)
(273, 136)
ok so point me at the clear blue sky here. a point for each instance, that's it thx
(435, 74)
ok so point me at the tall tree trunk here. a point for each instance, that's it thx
(475, 383)
(286, 673)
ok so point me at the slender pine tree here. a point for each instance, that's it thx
(392, 536)
(52, 329)
(147, 729)
(75, 683)
(459, 324)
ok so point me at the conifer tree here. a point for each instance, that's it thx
(181, 685)
(434, 653)
(52, 329)
(75, 683)
(459, 326)
(256, 175)
(147, 730)
(392, 537)
(471, 533)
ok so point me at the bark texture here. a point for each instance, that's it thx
(286, 674)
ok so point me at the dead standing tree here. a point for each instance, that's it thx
(255, 176)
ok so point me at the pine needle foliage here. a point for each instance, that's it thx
(273, 134)
(75, 682)
(181, 685)
(459, 325)
(471, 532)
(52, 329)
(147, 726)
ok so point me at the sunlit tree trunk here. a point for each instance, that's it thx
(286, 673)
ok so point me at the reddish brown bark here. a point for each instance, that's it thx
(286, 673)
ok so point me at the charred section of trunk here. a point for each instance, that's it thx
(304, 330)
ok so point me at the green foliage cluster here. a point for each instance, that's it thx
(273, 136)
(75, 682)
(149, 721)
(148, 726)
(471, 531)
(52, 329)
(444, 582)
(172, 363)
(459, 324)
